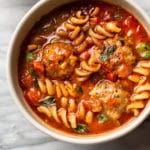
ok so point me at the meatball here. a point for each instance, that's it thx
(112, 96)
(59, 60)
(115, 53)
(123, 54)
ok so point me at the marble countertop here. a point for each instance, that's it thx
(16, 133)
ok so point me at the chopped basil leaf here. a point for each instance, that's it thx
(102, 118)
(30, 56)
(80, 90)
(106, 52)
(81, 129)
(33, 73)
(110, 50)
(48, 101)
(104, 57)
(103, 48)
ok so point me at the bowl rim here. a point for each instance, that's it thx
(37, 124)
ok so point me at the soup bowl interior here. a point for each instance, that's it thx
(37, 11)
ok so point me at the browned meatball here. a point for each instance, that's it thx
(59, 60)
(113, 54)
(123, 54)
(112, 96)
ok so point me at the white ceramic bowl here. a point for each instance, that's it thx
(33, 15)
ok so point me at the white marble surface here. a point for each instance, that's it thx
(16, 133)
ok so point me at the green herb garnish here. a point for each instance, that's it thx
(106, 52)
(104, 57)
(110, 50)
(143, 50)
(33, 73)
(80, 90)
(81, 129)
(29, 57)
(143, 46)
(48, 101)
(102, 118)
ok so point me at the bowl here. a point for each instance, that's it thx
(32, 16)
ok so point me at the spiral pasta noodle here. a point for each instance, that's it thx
(73, 26)
(73, 29)
(95, 12)
(68, 114)
(79, 19)
(57, 88)
(142, 90)
(87, 67)
(107, 30)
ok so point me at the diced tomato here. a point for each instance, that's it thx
(38, 67)
(94, 21)
(126, 83)
(106, 69)
(26, 80)
(111, 76)
(84, 56)
(88, 104)
(124, 71)
(33, 95)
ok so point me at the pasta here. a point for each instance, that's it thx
(106, 31)
(84, 68)
(141, 91)
(88, 67)
(68, 116)
(62, 33)
(58, 88)
(32, 47)
(79, 21)
(76, 35)
(95, 11)
(112, 27)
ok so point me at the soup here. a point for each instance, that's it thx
(84, 68)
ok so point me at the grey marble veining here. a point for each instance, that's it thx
(16, 133)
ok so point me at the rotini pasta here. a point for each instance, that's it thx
(32, 47)
(96, 35)
(142, 90)
(106, 31)
(87, 68)
(112, 27)
(68, 116)
(57, 88)
(77, 37)
(95, 11)
(79, 21)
